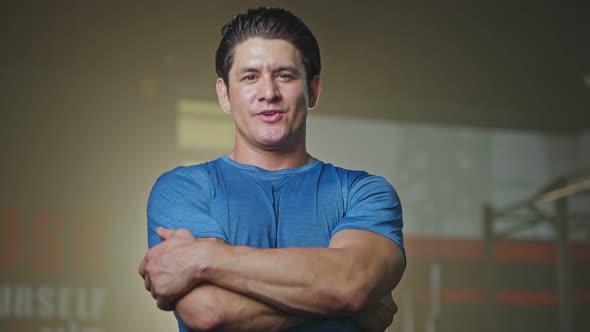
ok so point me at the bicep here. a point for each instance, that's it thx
(381, 257)
(179, 201)
(372, 206)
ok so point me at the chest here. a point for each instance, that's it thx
(294, 211)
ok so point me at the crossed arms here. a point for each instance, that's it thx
(215, 286)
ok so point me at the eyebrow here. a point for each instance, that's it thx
(281, 68)
(288, 68)
(247, 70)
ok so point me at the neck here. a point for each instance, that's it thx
(269, 159)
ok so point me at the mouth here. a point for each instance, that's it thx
(270, 115)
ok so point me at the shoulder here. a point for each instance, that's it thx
(186, 181)
(359, 189)
(360, 181)
(371, 204)
(200, 174)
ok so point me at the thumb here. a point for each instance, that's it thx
(164, 233)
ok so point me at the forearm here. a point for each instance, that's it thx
(356, 270)
(212, 308)
(323, 281)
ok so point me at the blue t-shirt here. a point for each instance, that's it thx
(296, 207)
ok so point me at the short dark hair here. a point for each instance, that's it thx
(267, 23)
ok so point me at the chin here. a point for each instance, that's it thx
(272, 144)
(271, 140)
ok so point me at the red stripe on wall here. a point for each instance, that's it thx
(581, 297)
(527, 297)
(504, 251)
(462, 295)
(431, 247)
(580, 253)
(454, 295)
(533, 252)
(513, 296)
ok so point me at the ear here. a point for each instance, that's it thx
(315, 87)
(223, 95)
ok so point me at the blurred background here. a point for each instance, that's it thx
(477, 112)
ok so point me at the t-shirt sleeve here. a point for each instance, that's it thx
(373, 205)
(180, 199)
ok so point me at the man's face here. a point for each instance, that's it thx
(268, 95)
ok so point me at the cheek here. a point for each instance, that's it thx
(296, 97)
(242, 96)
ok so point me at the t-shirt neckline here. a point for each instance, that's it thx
(262, 171)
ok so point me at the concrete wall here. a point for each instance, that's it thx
(445, 174)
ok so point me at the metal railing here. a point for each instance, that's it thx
(558, 192)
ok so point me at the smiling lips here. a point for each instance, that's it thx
(270, 116)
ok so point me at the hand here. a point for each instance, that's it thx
(378, 316)
(172, 268)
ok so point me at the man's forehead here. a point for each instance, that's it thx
(259, 52)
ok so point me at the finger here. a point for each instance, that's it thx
(164, 233)
(147, 283)
(141, 268)
(185, 233)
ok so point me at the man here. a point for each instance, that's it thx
(268, 238)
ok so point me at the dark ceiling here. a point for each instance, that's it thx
(508, 64)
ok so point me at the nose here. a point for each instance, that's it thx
(268, 90)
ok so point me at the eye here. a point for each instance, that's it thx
(285, 76)
(249, 77)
